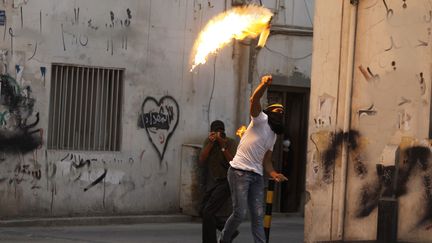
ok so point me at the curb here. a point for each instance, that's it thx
(79, 221)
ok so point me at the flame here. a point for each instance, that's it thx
(241, 131)
(237, 23)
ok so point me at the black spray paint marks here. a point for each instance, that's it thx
(422, 84)
(127, 21)
(359, 167)
(159, 119)
(20, 107)
(386, 175)
(416, 161)
(415, 156)
(112, 18)
(372, 192)
(19, 142)
(427, 215)
(393, 63)
(97, 181)
(368, 201)
(334, 149)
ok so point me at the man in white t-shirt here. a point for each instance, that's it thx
(254, 153)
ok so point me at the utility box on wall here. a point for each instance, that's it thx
(192, 180)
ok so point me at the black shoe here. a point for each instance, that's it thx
(234, 235)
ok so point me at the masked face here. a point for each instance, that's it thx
(275, 120)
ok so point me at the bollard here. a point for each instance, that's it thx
(387, 225)
(268, 212)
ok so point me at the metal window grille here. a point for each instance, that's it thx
(85, 108)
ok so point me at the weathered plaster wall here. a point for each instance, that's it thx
(389, 119)
(151, 40)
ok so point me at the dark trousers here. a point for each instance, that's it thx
(214, 199)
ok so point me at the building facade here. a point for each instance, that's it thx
(369, 124)
(99, 107)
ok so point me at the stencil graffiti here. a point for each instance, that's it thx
(159, 119)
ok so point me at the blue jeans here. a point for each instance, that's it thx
(247, 191)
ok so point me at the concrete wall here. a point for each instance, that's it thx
(152, 41)
(369, 119)
(154, 51)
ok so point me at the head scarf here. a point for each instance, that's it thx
(275, 119)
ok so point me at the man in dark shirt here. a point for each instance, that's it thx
(218, 150)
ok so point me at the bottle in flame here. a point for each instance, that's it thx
(237, 23)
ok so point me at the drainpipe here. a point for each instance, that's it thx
(347, 115)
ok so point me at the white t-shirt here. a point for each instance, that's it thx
(255, 142)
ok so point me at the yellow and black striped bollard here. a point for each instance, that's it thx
(268, 212)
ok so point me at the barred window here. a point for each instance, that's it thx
(85, 108)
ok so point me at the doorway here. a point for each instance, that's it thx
(289, 154)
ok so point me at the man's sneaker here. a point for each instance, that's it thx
(234, 235)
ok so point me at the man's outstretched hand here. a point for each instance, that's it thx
(278, 177)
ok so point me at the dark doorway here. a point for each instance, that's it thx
(291, 160)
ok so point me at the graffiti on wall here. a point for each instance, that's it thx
(159, 119)
(18, 121)
(325, 106)
(328, 148)
(3, 61)
(87, 172)
(29, 171)
(76, 167)
(415, 163)
(79, 30)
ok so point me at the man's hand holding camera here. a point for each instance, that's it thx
(220, 137)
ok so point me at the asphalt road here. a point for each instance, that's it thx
(285, 229)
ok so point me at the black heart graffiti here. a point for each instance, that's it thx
(160, 119)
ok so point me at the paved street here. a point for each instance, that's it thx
(284, 229)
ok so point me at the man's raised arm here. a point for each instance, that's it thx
(255, 105)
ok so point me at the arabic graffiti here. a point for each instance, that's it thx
(159, 119)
